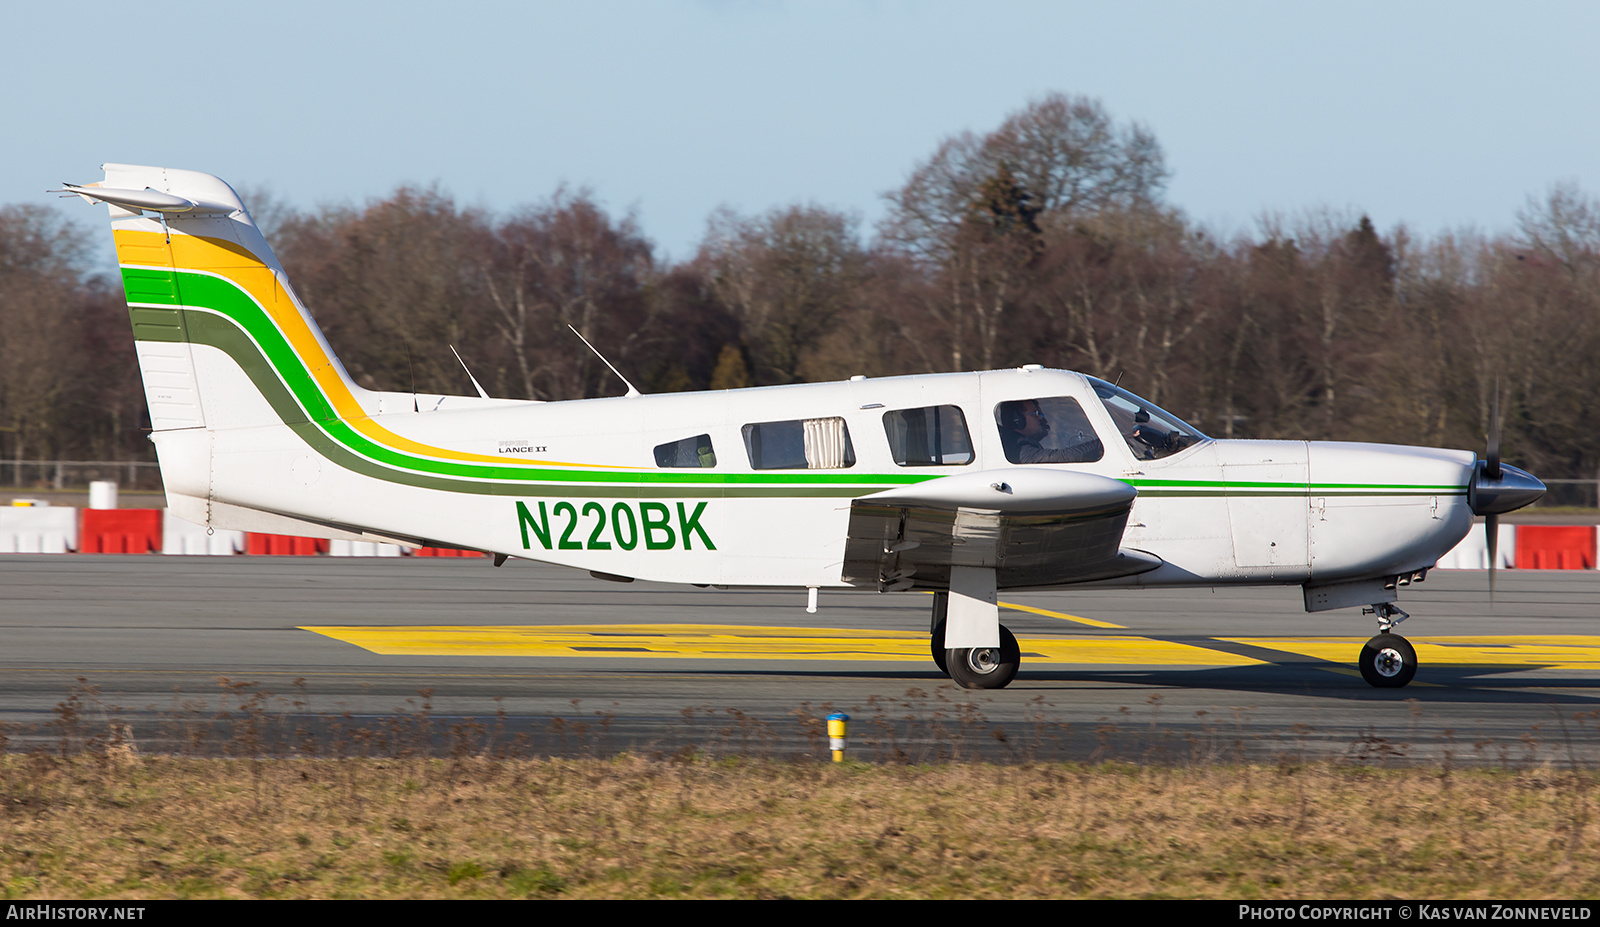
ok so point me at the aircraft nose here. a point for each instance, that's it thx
(1511, 491)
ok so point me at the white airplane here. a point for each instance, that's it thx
(959, 484)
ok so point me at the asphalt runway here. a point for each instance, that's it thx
(268, 654)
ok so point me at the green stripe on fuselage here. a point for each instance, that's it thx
(333, 439)
(239, 327)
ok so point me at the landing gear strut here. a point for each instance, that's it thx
(1388, 661)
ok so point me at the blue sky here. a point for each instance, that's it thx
(1439, 115)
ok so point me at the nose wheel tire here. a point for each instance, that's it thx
(1388, 661)
(985, 667)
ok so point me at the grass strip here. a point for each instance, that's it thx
(111, 824)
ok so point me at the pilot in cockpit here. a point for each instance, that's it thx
(1024, 428)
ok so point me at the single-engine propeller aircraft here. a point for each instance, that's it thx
(960, 484)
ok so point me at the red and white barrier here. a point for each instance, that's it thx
(119, 531)
(1556, 547)
(283, 545)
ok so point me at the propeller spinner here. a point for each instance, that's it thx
(1498, 488)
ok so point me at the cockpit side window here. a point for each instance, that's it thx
(801, 444)
(1151, 433)
(932, 436)
(1047, 430)
(690, 452)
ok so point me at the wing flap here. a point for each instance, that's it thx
(1033, 527)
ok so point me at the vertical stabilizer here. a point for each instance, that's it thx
(222, 340)
(197, 272)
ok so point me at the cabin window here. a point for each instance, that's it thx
(1150, 432)
(1047, 430)
(690, 452)
(932, 436)
(802, 444)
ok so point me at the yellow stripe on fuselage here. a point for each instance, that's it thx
(248, 272)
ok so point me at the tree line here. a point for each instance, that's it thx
(1047, 240)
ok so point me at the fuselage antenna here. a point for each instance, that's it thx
(632, 390)
(475, 384)
(412, 368)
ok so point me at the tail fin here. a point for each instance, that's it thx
(199, 272)
(241, 385)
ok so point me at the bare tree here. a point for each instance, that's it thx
(1065, 151)
(1565, 226)
(565, 262)
(40, 292)
(789, 277)
(393, 285)
(973, 215)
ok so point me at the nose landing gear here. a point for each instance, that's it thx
(1388, 661)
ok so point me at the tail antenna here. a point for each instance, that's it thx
(632, 390)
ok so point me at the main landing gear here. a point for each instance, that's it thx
(973, 667)
(978, 667)
(1388, 661)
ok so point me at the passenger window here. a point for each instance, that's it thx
(932, 436)
(1051, 430)
(690, 452)
(803, 444)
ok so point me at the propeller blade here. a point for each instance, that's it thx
(1492, 470)
(1491, 524)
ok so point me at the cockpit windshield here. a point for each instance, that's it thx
(1151, 432)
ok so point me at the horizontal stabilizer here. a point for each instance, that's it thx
(153, 200)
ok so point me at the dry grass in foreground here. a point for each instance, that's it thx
(96, 825)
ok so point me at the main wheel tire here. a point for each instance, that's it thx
(985, 667)
(1388, 661)
(937, 645)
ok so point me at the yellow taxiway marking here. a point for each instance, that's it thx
(1091, 622)
(731, 642)
(696, 641)
(1566, 651)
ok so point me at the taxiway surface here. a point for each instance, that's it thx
(181, 649)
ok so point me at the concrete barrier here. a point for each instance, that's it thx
(363, 549)
(38, 529)
(1473, 551)
(186, 537)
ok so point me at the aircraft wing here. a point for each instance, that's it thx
(1034, 527)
